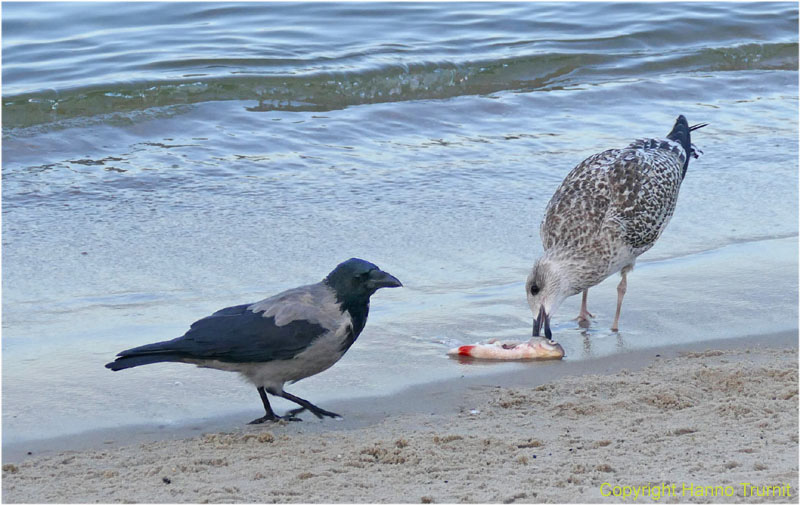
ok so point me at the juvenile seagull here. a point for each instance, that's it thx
(609, 209)
(287, 337)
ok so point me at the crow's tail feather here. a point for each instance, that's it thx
(157, 352)
(133, 360)
(681, 133)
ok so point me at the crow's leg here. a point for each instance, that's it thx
(270, 415)
(305, 405)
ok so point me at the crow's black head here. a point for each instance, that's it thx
(359, 279)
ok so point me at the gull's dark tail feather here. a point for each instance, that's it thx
(681, 133)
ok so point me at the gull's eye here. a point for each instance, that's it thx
(534, 289)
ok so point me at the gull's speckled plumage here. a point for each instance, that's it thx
(609, 209)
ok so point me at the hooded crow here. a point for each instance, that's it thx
(284, 338)
(609, 209)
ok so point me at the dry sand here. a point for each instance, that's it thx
(707, 418)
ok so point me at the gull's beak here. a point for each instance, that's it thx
(542, 320)
(380, 279)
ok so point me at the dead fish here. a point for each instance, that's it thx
(535, 348)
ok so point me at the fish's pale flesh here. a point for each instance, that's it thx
(535, 348)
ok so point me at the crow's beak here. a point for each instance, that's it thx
(542, 320)
(380, 279)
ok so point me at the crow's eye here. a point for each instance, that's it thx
(534, 289)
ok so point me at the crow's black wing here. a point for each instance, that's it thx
(234, 334)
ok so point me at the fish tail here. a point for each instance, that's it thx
(465, 350)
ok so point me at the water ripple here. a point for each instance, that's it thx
(323, 57)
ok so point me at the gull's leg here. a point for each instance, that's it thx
(583, 317)
(621, 288)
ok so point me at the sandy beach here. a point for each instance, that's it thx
(663, 423)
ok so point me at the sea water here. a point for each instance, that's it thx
(164, 160)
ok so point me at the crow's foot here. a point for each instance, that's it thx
(274, 419)
(306, 405)
(320, 413)
(294, 412)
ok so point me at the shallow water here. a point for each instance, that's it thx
(161, 161)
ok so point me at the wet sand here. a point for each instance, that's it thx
(667, 420)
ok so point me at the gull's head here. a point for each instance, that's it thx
(545, 289)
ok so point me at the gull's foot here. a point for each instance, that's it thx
(583, 318)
